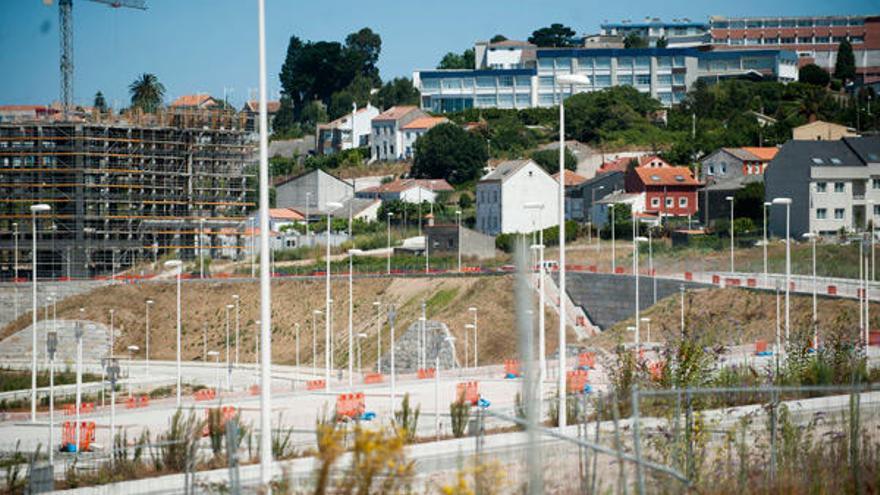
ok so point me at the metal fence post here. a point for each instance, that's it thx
(774, 404)
(688, 435)
(637, 445)
(618, 445)
(596, 454)
(232, 454)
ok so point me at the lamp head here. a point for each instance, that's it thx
(572, 79)
(781, 201)
(40, 207)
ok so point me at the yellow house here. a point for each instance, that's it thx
(822, 131)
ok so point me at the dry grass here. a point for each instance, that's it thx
(737, 316)
(293, 302)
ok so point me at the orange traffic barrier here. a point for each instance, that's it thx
(468, 392)
(350, 406)
(254, 389)
(227, 413)
(618, 269)
(86, 434)
(592, 268)
(426, 373)
(791, 287)
(656, 369)
(752, 282)
(85, 407)
(688, 276)
(575, 380)
(137, 401)
(373, 378)
(205, 394)
(760, 346)
(716, 279)
(316, 385)
(587, 360)
(873, 338)
(511, 368)
(131, 403)
(144, 401)
(832, 290)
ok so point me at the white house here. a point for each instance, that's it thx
(503, 194)
(335, 136)
(416, 129)
(386, 142)
(407, 190)
(309, 192)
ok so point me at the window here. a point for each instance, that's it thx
(523, 81)
(545, 63)
(545, 99)
(602, 81)
(391, 149)
(643, 62)
(682, 202)
(563, 63)
(787, 41)
(711, 169)
(678, 61)
(805, 40)
(468, 82)
(821, 187)
(839, 187)
(523, 101)
(876, 210)
(665, 97)
(838, 213)
(430, 83)
(643, 80)
(486, 101)
(485, 82)
(545, 81)
(875, 183)
(603, 63)
(585, 63)
(821, 213)
(670, 202)
(625, 63)
(818, 161)
(454, 83)
(505, 101)
(625, 80)
(505, 81)
(678, 79)
(655, 202)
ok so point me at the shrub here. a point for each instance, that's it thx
(459, 412)
(407, 420)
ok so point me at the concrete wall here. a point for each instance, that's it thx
(19, 297)
(608, 299)
(324, 188)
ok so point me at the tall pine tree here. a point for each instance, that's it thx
(845, 68)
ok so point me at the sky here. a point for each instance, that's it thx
(210, 46)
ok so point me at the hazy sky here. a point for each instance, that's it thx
(208, 45)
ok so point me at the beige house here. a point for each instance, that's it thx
(822, 131)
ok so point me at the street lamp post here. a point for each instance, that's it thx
(132, 349)
(613, 241)
(236, 298)
(378, 306)
(351, 254)
(15, 265)
(201, 251)
(296, 330)
(766, 204)
(330, 206)
(179, 266)
(392, 315)
(473, 310)
(592, 205)
(37, 208)
(51, 347)
(635, 332)
(78, 333)
(636, 241)
(147, 304)
(730, 199)
(360, 336)
(570, 79)
(388, 220)
(787, 203)
(458, 217)
(542, 350)
(812, 237)
(315, 314)
(648, 321)
(467, 326)
(216, 356)
(111, 367)
(228, 359)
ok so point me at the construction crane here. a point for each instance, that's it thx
(65, 23)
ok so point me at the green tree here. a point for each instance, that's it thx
(555, 35)
(813, 74)
(662, 42)
(313, 113)
(100, 103)
(600, 114)
(845, 67)
(146, 93)
(549, 159)
(399, 91)
(363, 49)
(749, 202)
(633, 40)
(498, 38)
(455, 61)
(449, 152)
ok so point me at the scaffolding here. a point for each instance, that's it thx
(121, 191)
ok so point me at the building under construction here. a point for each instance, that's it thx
(120, 190)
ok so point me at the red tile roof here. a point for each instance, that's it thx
(618, 165)
(401, 185)
(272, 106)
(765, 154)
(425, 123)
(395, 113)
(666, 176)
(571, 178)
(285, 214)
(646, 159)
(192, 100)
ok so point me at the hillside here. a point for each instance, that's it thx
(447, 299)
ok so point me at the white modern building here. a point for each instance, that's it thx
(664, 73)
(387, 138)
(679, 33)
(503, 194)
(337, 135)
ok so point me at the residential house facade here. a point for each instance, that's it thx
(445, 239)
(407, 190)
(667, 191)
(386, 142)
(337, 135)
(310, 192)
(820, 130)
(591, 191)
(416, 129)
(503, 194)
(735, 163)
(251, 111)
(833, 185)
(574, 203)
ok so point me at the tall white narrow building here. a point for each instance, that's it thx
(503, 193)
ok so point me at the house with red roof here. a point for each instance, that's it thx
(667, 190)
(386, 139)
(416, 129)
(197, 101)
(251, 111)
(407, 190)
